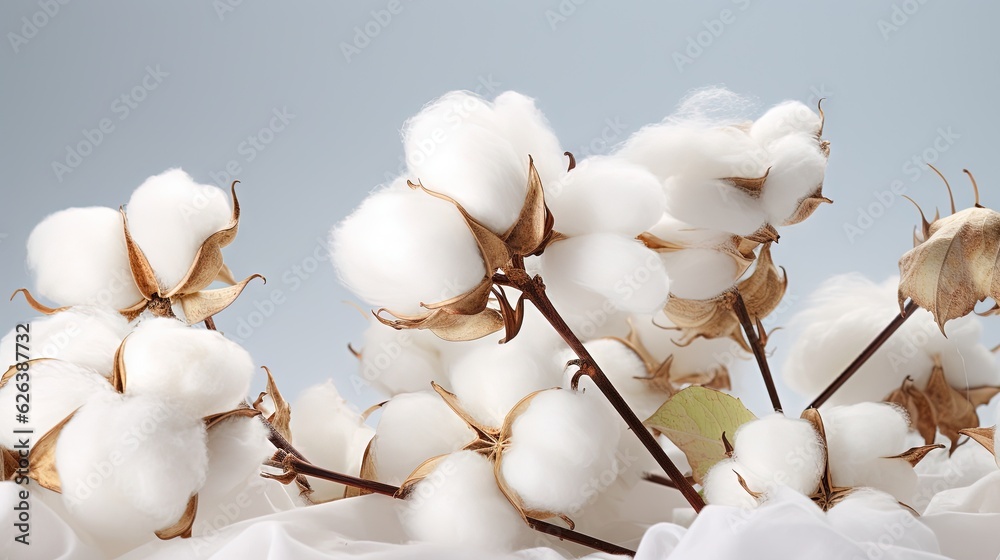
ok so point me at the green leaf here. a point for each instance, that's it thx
(695, 419)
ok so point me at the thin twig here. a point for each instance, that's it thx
(865, 354)
(210, 323)
(758, 350)
(659, 479)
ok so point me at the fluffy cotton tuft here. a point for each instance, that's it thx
(415, 427)
(624, 368)
(715, 205)
(399, 361)
(78, 257)
(606, 195)
(558, 447)
(460, 505)
(780, 450)
(129, 465)
(236, 449)
(170, 216)
(528, 131)
(86, 336)
(723, 488)
(202, 370)
(404, 247)
(785, 119)
(330, 432)
(797, 170)
(692, 152)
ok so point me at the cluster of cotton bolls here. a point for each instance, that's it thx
(846, 313)
(126, 401)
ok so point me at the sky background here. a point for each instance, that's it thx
(905, 82)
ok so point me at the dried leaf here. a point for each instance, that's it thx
(183, 526)
(42, 459)
(532, 225)
(449, 326)
(952, 409)
(695, 419)
(9, 462)
(282, 415)
(916, 454)
(201, 305)
(982, 436)
(918, 408)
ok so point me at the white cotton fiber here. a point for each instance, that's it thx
(460, 505)
(78, 257)
(399, 361)
(700, 273)
(236, 447)
(722, 485)
(170, 216)
(490, 380)
(129, 465)
(606, 195)
(330, 432)
(558, 446)
(621, 270)
(702, 355)
(694, 152)
(781, 450)
(404, 247)
(55, 389)
(84, 335)
(529, 133)
(204, 371)
(626, 371)
(785, 119)
(797, 170)
(714, 204)
(415, 427)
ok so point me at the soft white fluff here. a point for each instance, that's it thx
(236, 448)
(694, 152)
(490, 380)
(78, 257)
(404, 247)
(330, 432)
(415, 427)
(129, 465)
(56, 389)
(558, 446)
(202, 370)
(606, 195)
(529, 132)
(859, 438)
(702, 355)
(780, 450)
(84, 335)
(797, 170)
(784, 119)
(700, 273)
(622, 271)
(466, 148)
(399, 361)
(170, 216)
(714, 204)
(460, 505)
(722, 486)
(846, 313)
(626, 371)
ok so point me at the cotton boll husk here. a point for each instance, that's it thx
(78, 257)
(330, 432)
(146, 458)
(490, 380)
(797, 170)
(606, 195)
(722, 486)
(781, 450)
(455, 146)
(404, 247)
(694, 152)
(714, 204)
(785, 119)
(415, 427)
(622, 270)
(236, 449)
(460, 505)
(702, 355)
(529, 133)
(204, 371)
(557, 446)
(399, 361)
(170, 216)
(84, 335)
(624, 368)
(57, 388)
(536, 336)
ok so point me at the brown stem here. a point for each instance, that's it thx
(210, 323)
(534, 290)
(758, 350)
(865, 354)
(659, 479)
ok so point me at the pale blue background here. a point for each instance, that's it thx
(889, 92)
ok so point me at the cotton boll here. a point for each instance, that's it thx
(622, 270)
(404, 247)
(781, 450)
(783, 120)
(170, 216)
(204, 371)
(460, 505)
(399, 361)
(589, 314)
(86, 336)
(626, 371)
(56, 389)
(606, 195)
(529, 133)
(329, 431)
(715, 205)
(695, 152)
(236, 449)
(415, 427)
(797, 170)
(702, 355)
(723, 488)
(128, 466)
(490, 380)
(557, 447)
(700, 273)
(78, 257)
